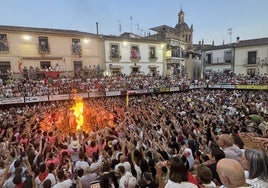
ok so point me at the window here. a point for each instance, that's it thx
(135, 70)
(175, 51)
(4, 70)
(152, 53)
(134, 53)
(43, 44)
(3, 43)
(45, 65)
(251, 72)
(116, 71)
(228, 56)
(76, 46)
(252, 57)
(114, 52)
(77, 69)
(77, 65)
(208, 58)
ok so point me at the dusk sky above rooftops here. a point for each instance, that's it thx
(211, 19)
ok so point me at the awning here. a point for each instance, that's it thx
(135, 66)
(152, 66)
(116, 67)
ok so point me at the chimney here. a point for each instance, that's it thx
(237, 39)
(97, 27)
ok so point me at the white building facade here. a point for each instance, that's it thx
(128, 55)
(251, 57)
(42, 49)
(217, 59)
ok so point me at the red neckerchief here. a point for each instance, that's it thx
(42, 176)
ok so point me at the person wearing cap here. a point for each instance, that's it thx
(74, 149)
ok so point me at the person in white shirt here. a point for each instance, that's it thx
(81, 164)
(187, 152)
(62, 182)
(43, 176)
(126, 179)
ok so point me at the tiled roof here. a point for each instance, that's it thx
(42, 30)
(252, 42)
(161, 27)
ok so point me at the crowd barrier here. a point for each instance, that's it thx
(47, 98)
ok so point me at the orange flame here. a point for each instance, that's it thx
(78, 109)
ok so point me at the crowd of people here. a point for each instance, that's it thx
(183, 139)
(85, 82)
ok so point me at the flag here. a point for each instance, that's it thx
(229, 30)
(19, 63)
(127, 99)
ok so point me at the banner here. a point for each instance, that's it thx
(259, 87)
(164, 89)
(79, 95)
(113, 93)
(228, 86)
(59, 97)
(36, 99)
(174, 89)
(20, 64)
(13, 100)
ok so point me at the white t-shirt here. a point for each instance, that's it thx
(50, 176)
(171, 184)
(124, 180)
(64, 184)
(187, 152)
(81, 165)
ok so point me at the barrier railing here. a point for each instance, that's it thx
(47, 98)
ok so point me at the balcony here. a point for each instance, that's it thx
(252, 62)
(218, 61)
(77, 50)
(115, 56)
(135, 59)
(153, 59)
(43, 49)
(135, 55)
